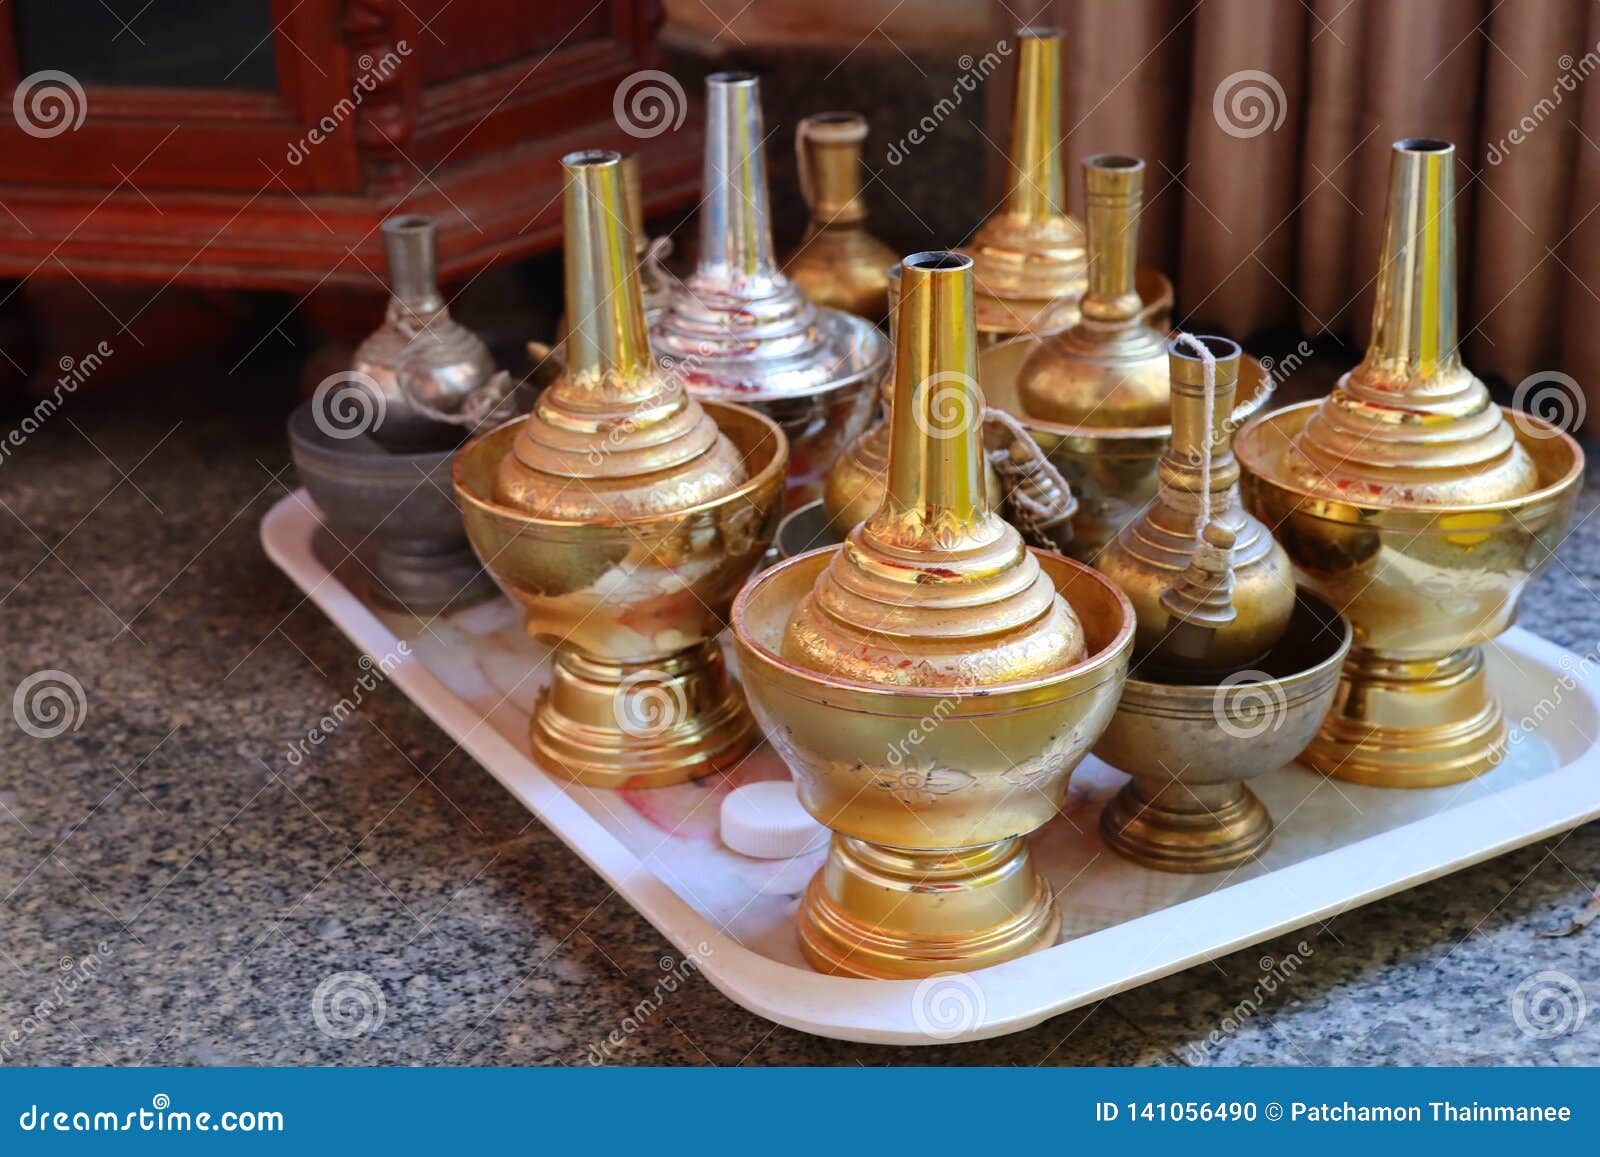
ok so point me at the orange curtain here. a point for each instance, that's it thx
(1267, 126)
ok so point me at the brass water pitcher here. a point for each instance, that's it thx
(933, 682)
(739, 330)
(1415, 505)
(1232, 672)
(1199, 493)
(838, 263)
(1110, 369)
(622, 515)
(1030, 259)
(1096, 396)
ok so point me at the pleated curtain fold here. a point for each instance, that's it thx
(1267, 127)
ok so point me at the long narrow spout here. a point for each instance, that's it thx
(411, 245)
(1114, 188)
(1038, 182)
(1414, 330)
(936, 418)
(735, 219)
(606, 337)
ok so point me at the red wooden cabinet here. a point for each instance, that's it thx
(275, 173)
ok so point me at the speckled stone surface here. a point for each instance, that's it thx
(175, 890)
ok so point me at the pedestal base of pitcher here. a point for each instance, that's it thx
(606, 723)
(1410, 722)
(896, 913)
(1178, 828)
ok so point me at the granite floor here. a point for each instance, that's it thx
(168, 897)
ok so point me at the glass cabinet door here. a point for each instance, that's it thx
(205, 44)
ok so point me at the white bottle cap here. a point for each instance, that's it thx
(765, 821)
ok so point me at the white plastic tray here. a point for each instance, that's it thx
(1338, 845)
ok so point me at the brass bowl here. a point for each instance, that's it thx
(930, 793)
(1191, 747)
(640, 697)
(1423, 588)
(1112, 469)
(1155, 290)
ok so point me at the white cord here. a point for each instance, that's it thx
(1208, 364)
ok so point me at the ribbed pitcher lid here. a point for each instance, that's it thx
(738, 329)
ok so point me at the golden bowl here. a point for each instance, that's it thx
(1190, 748)
(930, 793)
(1423, 588)
(640, 697)
(1112, 469)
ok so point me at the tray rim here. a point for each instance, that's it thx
(1017, 994)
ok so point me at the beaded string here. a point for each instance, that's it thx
(1030, 511)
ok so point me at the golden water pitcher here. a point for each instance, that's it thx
(1110, 369)
(1030, 259)
(1232, 671)
(933, 682)
(1096, 396)
(838, 263)
(622, 515)
(1151, 553)
(1416, 506)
